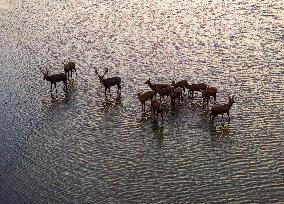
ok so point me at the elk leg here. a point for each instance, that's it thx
(213, 117)
(75, 71)
(118, 88)
(51, 88)
(55, 87)
(71, 73)
(65, 86)
(105, 92)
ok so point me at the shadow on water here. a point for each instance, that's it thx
(110, 103)
(158, 131)
(221, 132)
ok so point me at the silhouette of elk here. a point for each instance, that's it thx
(209, 91)
(69, 68)
(157, 107)
(155, 87)
(109, 82)
(196, 87)
(53, 79)
(143, 97)
(182, 84)
(221, 109)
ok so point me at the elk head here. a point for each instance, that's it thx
(45, 73)
(101, 77)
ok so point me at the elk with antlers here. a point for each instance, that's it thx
(221, 109)
(108, 82)
(55, 78)
(69, 68)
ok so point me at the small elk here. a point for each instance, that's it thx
(196, 87)
(221, 109)
(209, 91)
(182, 84)
(69, 68)
(55, 78)
(143, 97)
(155, 87)
(166, 91)
(176, 94)
(157, 107)
(108, 82)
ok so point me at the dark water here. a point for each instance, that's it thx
(82, 148)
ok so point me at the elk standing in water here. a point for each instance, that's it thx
(196, 87)
(55, 78)
(157, 107)
(209, 91)
(221, 109)
(182, 84)
(107, 83)
(166, 91)
(143, 97)
(69, 67)
(176, 94)
(155, 87)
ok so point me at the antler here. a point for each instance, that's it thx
(43, 71)
(106, 70)
(96, 71)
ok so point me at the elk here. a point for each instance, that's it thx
(143, 97)
(196, 87)
(209, 91)
(166, 91)
(55, 78)
(157, 107)
(155, 87)
(221, 109)
(69, 67)
(108, 82)
(176, 94)
(182, 84)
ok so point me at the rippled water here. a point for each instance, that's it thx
(82, 148)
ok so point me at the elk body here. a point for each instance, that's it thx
(209, 91)
(222, 109)
(143, 97)
(176, 94)
(166, 91)
(53, 79)
(69, 68)
(196, 87)
(155, 87)
(109, 82)
(157, 108)
(182, 84)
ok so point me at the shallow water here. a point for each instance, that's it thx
(80, 147)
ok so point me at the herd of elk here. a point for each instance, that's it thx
(175, 91)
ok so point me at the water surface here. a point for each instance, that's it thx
(81, 147)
